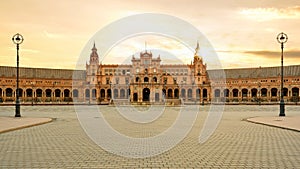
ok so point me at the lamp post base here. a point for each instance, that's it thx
(18, 114)
(281, 108)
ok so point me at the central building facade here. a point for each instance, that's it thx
(146, 80)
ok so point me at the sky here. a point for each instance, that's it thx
(243, 33)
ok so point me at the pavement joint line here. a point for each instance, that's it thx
(27, 126)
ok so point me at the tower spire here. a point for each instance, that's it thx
(94, 55)
(197, 48)
(94, 46)
(146, 46)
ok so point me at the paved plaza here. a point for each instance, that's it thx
(236, 143)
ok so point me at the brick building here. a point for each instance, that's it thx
(146, 80)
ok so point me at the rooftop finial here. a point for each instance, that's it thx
(146, 46)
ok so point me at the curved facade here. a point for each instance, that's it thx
(146, 80)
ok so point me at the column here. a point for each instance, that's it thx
(249, 95)
(91, 95)
(173, 91)
(131, 94)
(98, 94)
(53, 95)
(62, 95)
(4, 95)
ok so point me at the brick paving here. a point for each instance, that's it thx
(236, 143)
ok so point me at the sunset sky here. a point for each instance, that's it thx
(243, 33)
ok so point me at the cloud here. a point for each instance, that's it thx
(25, 50)
(265, 53)
(52, 35)
(224, 51)
(275, 54)
(266, 14)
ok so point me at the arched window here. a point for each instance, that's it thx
(164, 92)
(285, 92)
(137, 79)
(190, 93)
(122, 93)
(235, 93)
(264, 92)
(94, 93)
(154, 79)
(295, 91)
(21, 92)
(198, 93)
(109, 93)
(170, 93)
(176, 93)
(128, 92)
(102, 93)
(57, 93)
(116, 93)
(253, 92)
(226, 92)
(274, 92)
(29, 93)
(146, 79)
(244, 92)
(204, 93)
(87, 93)
(39, 93)
(48, 92)
(66, 93)
(75, 93)
(9, 92)
(217, 92)
(183, 93)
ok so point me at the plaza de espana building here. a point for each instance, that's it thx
(147, 81)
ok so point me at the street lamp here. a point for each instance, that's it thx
(202, 88)
(128, 92)
(32, 93)
(282, 38)
(17, 39)
(111, 91)
(259, 93)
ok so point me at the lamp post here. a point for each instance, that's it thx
(32, 93)
(17, 39)
(181, 94)
(259, 93)
(282, 38)
(54, 98)
(128, 92)
(111, 91)
(202, 87)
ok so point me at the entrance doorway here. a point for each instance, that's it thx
(156, 97)
(135, 97)
(146, 94)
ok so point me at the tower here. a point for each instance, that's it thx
(93, 66)
(199, 67)
(94, 59)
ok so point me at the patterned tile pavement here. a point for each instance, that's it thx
(236, 143)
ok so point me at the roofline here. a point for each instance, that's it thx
(161, 65)
(252, 68)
